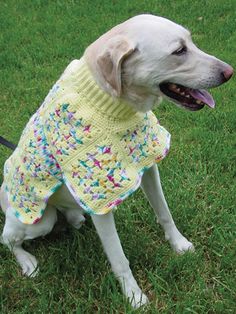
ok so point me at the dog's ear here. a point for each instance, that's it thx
(110, 61)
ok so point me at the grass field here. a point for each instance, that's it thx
(37, 40)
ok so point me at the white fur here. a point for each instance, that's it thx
(153, 40)
(139, 52)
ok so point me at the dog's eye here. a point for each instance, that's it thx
(180, 51)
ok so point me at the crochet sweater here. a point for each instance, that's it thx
(82, 137)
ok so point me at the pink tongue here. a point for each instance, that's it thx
(202, 95)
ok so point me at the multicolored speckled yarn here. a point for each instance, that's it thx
(82, 137)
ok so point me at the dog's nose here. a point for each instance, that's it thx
(228, 73)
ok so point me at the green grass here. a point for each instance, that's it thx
(37, 40)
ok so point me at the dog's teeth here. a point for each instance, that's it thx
(188, 96)
(178, 90)
(199, 102)
(182, 94)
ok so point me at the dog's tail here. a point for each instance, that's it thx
(6, 143)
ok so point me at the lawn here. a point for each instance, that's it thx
(37, 40)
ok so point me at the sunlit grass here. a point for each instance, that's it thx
(37, 40)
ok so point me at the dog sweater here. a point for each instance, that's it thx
(96, 145)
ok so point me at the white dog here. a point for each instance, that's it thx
(137, 63)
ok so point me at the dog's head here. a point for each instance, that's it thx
(148, 57)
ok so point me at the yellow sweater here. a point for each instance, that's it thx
(82, 137)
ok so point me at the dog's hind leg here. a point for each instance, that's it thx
(15, 232)
(74, 215)
(66, 204)
(14, 241)
(106, 230)
(151, 186)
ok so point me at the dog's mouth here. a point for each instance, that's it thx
(191, 99)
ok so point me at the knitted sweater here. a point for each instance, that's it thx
(82, 137)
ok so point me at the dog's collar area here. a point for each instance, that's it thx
(96, 98)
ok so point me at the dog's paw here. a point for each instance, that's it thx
(137, 299)
(182, 245)
(132, 291)
(75, 219)
(177, 241)
(78, 222)
(28, 264)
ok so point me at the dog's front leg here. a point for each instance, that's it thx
(151, 186)
(106, 230)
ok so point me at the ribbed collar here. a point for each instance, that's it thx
(99, 99)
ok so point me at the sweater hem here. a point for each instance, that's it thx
(113, 203)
